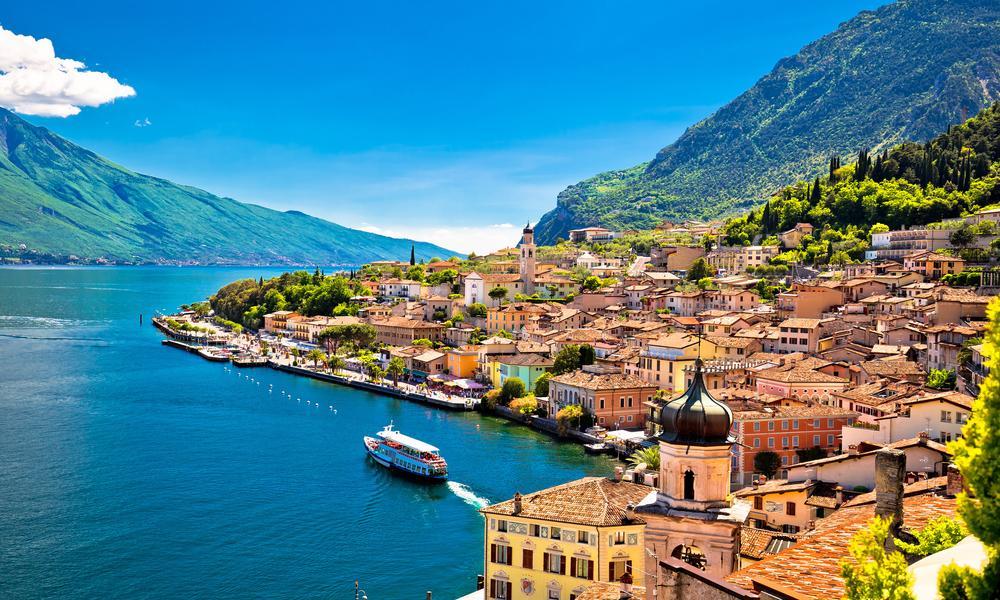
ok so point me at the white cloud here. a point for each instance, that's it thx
(462, 238)
(143, 122)
(34, 81)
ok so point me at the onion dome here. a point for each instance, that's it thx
(696, 418)
(527, 228)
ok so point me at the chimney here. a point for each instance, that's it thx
(852, 449)
(517, 503)
(619, 472)
(923, 436)
(890, 468)
(839, 495)
(630, 512)
(956, 482)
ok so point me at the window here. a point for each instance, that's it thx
(500, 554)
(756, 442)
(790, 509)
(688, 485)
(619, 538)
(795, 441)
(758, 502)
(770, 442)
(554, 533)
(784, 460)
(946, 416)
(527, 559)
(500, 589)
(961, 417)
(770, 425)
(784, 425)
(553, 594)
(502, 525)
(533, 530)
(815, 423)
(581, 568)
(829, 423)
(555, 563)
(784, 441)
(815, 440)
(619, 567)
(795, 424)
(829, 440)
(756, 425)
(583, 537)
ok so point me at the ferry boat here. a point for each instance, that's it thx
(399, 452)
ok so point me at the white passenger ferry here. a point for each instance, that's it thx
(399, 452)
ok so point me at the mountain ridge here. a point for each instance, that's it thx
(904, 71)
(59, 200)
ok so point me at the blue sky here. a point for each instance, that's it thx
(448, 121)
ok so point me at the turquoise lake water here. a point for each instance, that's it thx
(133, 470)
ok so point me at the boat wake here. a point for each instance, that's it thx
(467, 495)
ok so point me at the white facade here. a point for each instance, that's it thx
(475, 289)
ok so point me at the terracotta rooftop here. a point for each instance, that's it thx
(810, 569)
(756, 543)
(596, 501)
(602, 381)
(525, 360)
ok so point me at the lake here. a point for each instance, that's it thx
(129, 469)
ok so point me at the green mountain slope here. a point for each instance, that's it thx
(903, 72)
(59, 199)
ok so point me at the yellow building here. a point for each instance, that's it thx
(462, 362)
(554, 543)
(664, 359)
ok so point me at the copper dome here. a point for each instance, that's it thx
(696, 418)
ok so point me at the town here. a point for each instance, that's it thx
(767, 411)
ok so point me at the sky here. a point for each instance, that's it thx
(452, 122)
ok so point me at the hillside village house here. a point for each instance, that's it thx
(793, 237)
(555, 542)
(895, 245)
(399, 288)
(933, 265)
(462, 362)
(277, 322)
(675, 258)
(665, 357)
(592, 234)
(791, 507)
(940, 416)
(616, 400)
(526, 367)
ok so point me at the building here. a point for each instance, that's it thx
(556, 542)
(933, 265)
(784, 431)
(527, 367)
(736, 259)
(400, 331)
(793, 237)
(675, 258)
(856, 468)
(665, 357)
(513, 317)
(277, 322)
(791, 507)
(592, 234)
(691, 517)
(399, 288)
(894, 245)
(808, 301)
(799, 335)
(616, 400)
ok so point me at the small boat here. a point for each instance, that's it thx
(596, 448)
(405, 454)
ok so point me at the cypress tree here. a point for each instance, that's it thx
(817, 192)
(413, 255)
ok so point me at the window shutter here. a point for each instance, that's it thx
(545, 561)
(611, 571)
(493, 553)
(590, 570)
(562, 565)
(628, 567)
(572, 566)
(509, 591)
(510, 555)
(527, 560)
(493, 588)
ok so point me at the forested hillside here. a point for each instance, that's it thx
(954, 174)
(903, 72)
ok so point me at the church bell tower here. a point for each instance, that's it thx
(527, 265)
(691, 517)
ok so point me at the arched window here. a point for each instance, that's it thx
(689, 485)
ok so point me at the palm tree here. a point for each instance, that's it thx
(335, 363)
(316, 356)
(395, 369)
(377, 373)
(648, 456)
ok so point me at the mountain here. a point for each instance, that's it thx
(60, 200)
(903, 72)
